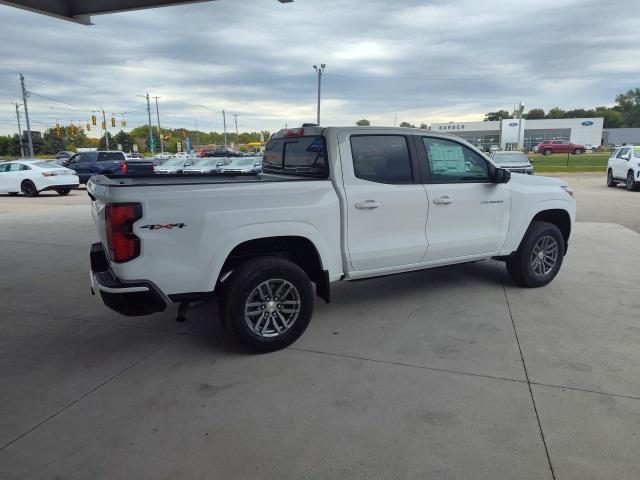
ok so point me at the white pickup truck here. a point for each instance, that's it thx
(331, 204)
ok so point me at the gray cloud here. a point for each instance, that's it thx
(422, 60)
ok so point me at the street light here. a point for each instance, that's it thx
(319, 71)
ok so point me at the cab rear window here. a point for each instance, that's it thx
(303, 156)
(110, 156)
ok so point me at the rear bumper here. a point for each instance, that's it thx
(127, 298)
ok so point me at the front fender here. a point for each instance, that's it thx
(522, 218)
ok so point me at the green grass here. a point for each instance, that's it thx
(588, 162)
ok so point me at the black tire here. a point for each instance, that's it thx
(13, 194)
(610, 181)
(547, 151)
(631, 183)
(593, 150)
(29, 188)
(521, 265)
(63, 191)
(578, 151)
(243, 285)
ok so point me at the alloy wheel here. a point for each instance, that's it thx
(544, 255)
(272, 308)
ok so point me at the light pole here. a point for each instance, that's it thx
(319, 70)
(520, 110)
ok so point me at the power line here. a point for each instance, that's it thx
(64, 103)
(494, 76)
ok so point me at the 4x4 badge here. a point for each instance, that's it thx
(168, 226)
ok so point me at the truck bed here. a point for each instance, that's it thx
(139, 180)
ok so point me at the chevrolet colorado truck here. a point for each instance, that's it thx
(332, 204)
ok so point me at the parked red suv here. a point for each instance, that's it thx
(560, 146)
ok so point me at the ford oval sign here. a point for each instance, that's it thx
(513, 124)
(587, 123)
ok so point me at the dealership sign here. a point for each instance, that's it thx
(451, 127)
(587, 123)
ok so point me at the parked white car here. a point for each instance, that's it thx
(333, 204)
(174, 165)
(206, 165)
(623, 166)
(515, 162)
(590, 148)
(34, 176)
(243, 165)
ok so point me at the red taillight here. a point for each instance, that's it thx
(49, 174)
(123, 167)
(119, 219)
(294, 132)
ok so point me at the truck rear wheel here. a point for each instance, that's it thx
(547, 151)
(539, 257)
(267, 303)
(610, 181)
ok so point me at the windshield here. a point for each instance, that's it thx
(509, 157)
(242, 162)
(174, 162)
(47, 165)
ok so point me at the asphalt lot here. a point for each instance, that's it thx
(447, 373)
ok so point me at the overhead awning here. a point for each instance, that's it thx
(80, 11)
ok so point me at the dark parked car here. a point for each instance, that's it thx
(88, 164)
(222, 152)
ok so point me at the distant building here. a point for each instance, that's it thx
(532, 132)
(619, 136)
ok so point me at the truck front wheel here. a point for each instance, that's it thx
(267, 304)
(539, 257)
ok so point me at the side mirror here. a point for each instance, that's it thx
(501, 175)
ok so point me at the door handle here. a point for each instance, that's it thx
(367, 205)
(444, 200)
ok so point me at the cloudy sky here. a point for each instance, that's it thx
(422, 61)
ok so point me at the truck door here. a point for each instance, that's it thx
(386, 205)
(468, 213)
(620, 163)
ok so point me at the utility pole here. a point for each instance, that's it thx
(159, 131)
(224, 123)
(25, 94)
(319, 70)
(106, 129)
(151, 144)
(235, 118)
(19, 131)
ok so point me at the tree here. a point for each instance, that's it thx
(424, 126)
(125, 139)
(103, 144)
(407, 125)
(363, 122)
(499, 115)
(556, 112)
(629, 106)
(534, 114)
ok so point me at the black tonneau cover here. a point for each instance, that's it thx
(141, 180)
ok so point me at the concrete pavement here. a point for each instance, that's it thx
(447, 373)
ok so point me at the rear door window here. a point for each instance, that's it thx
(305, 156)
(381, 158)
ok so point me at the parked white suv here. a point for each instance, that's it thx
(332, 204)
(624, 166)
